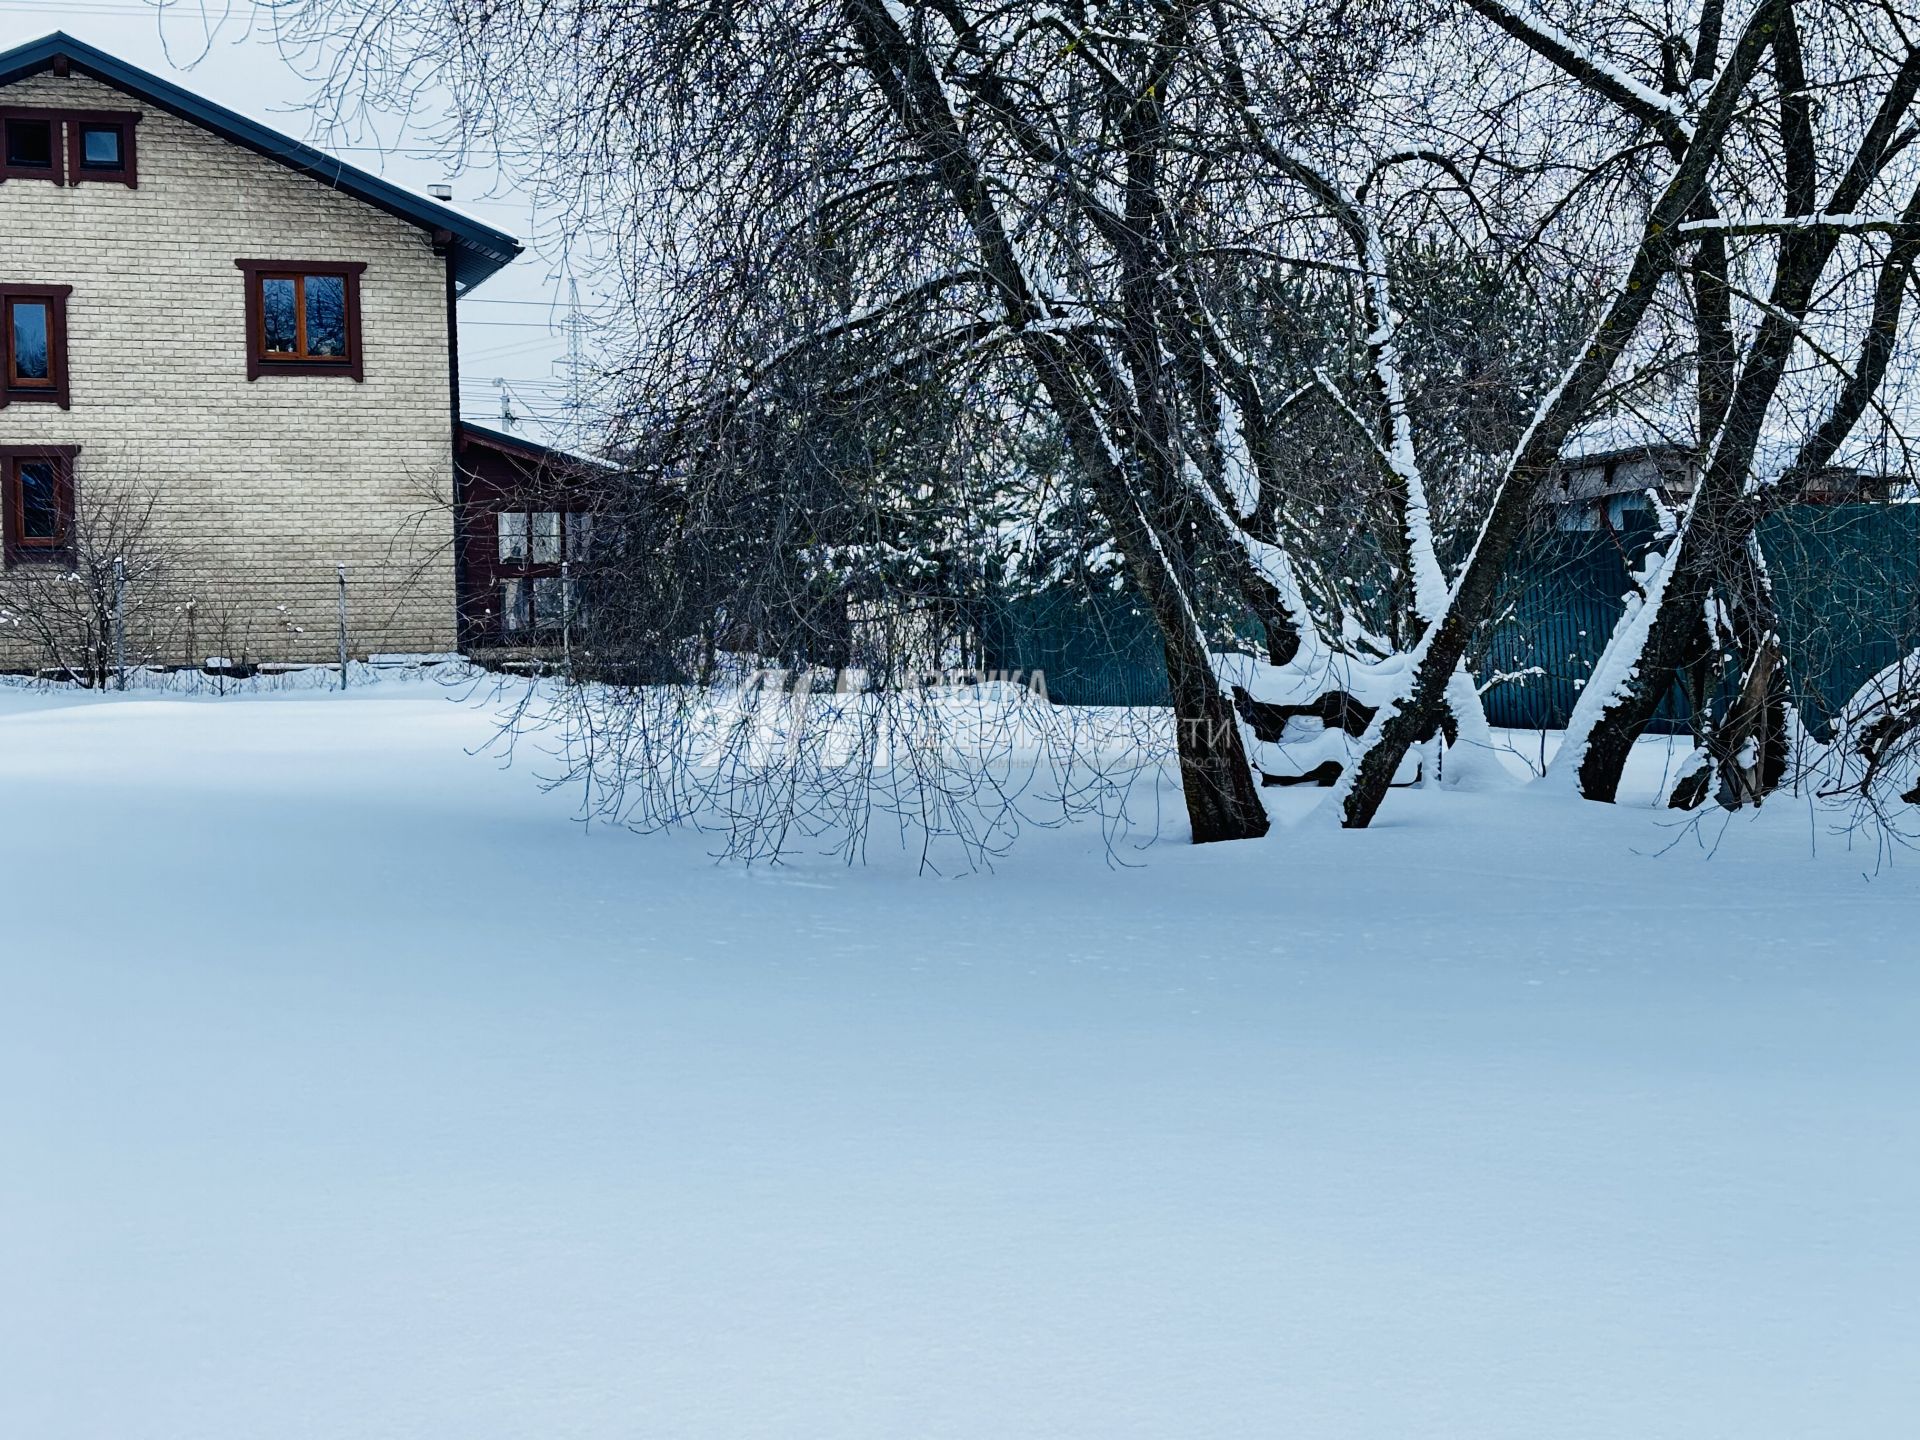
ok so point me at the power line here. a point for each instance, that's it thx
(435, 152)
(81, 7)
(554, 386)
(553, 304)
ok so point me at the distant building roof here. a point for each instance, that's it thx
(478, 249)
(551, 456)
(1614, 435)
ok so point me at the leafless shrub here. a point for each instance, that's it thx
(63, 609)
(1870, 771)
(773, 763)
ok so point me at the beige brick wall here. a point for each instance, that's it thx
(262, 486)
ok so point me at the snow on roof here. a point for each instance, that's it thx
(1613, 437)
(1623, 434)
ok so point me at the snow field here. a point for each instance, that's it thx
(349, 1088)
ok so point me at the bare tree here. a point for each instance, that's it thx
(1830, 183)
(1099, 218)
(1042, 207)
(118, 576)
(1695, 130)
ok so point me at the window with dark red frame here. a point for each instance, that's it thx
(33, 344)
(69, 147)
(36, 487)
(100, 146)
(30, 146)
(303, 317)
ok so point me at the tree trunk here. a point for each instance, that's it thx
(1223, 798)
(1670, 647)
(1720, 554)
(1750, 748)
(1417, 712)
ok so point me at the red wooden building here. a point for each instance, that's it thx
(523, 531)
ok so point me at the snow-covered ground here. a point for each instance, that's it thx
(349, 1089)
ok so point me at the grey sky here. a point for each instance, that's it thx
(510, 329)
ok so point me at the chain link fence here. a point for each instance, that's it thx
(107, 622)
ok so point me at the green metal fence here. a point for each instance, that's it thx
(1100, 649)
(1847, 578)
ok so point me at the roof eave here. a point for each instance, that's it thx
(479, 250)
(474, 433)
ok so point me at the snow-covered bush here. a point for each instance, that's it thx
(1873, 760)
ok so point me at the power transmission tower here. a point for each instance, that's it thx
(576, 424)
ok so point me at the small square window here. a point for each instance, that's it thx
(30, 145)
(302, 318)
(100, 148)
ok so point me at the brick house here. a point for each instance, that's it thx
(256, 343)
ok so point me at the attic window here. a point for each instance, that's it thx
(100, 147)
(31, 148)
(303, 317)
(68, 147)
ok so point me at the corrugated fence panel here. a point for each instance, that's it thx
(1093, 649)
(1847, 578)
